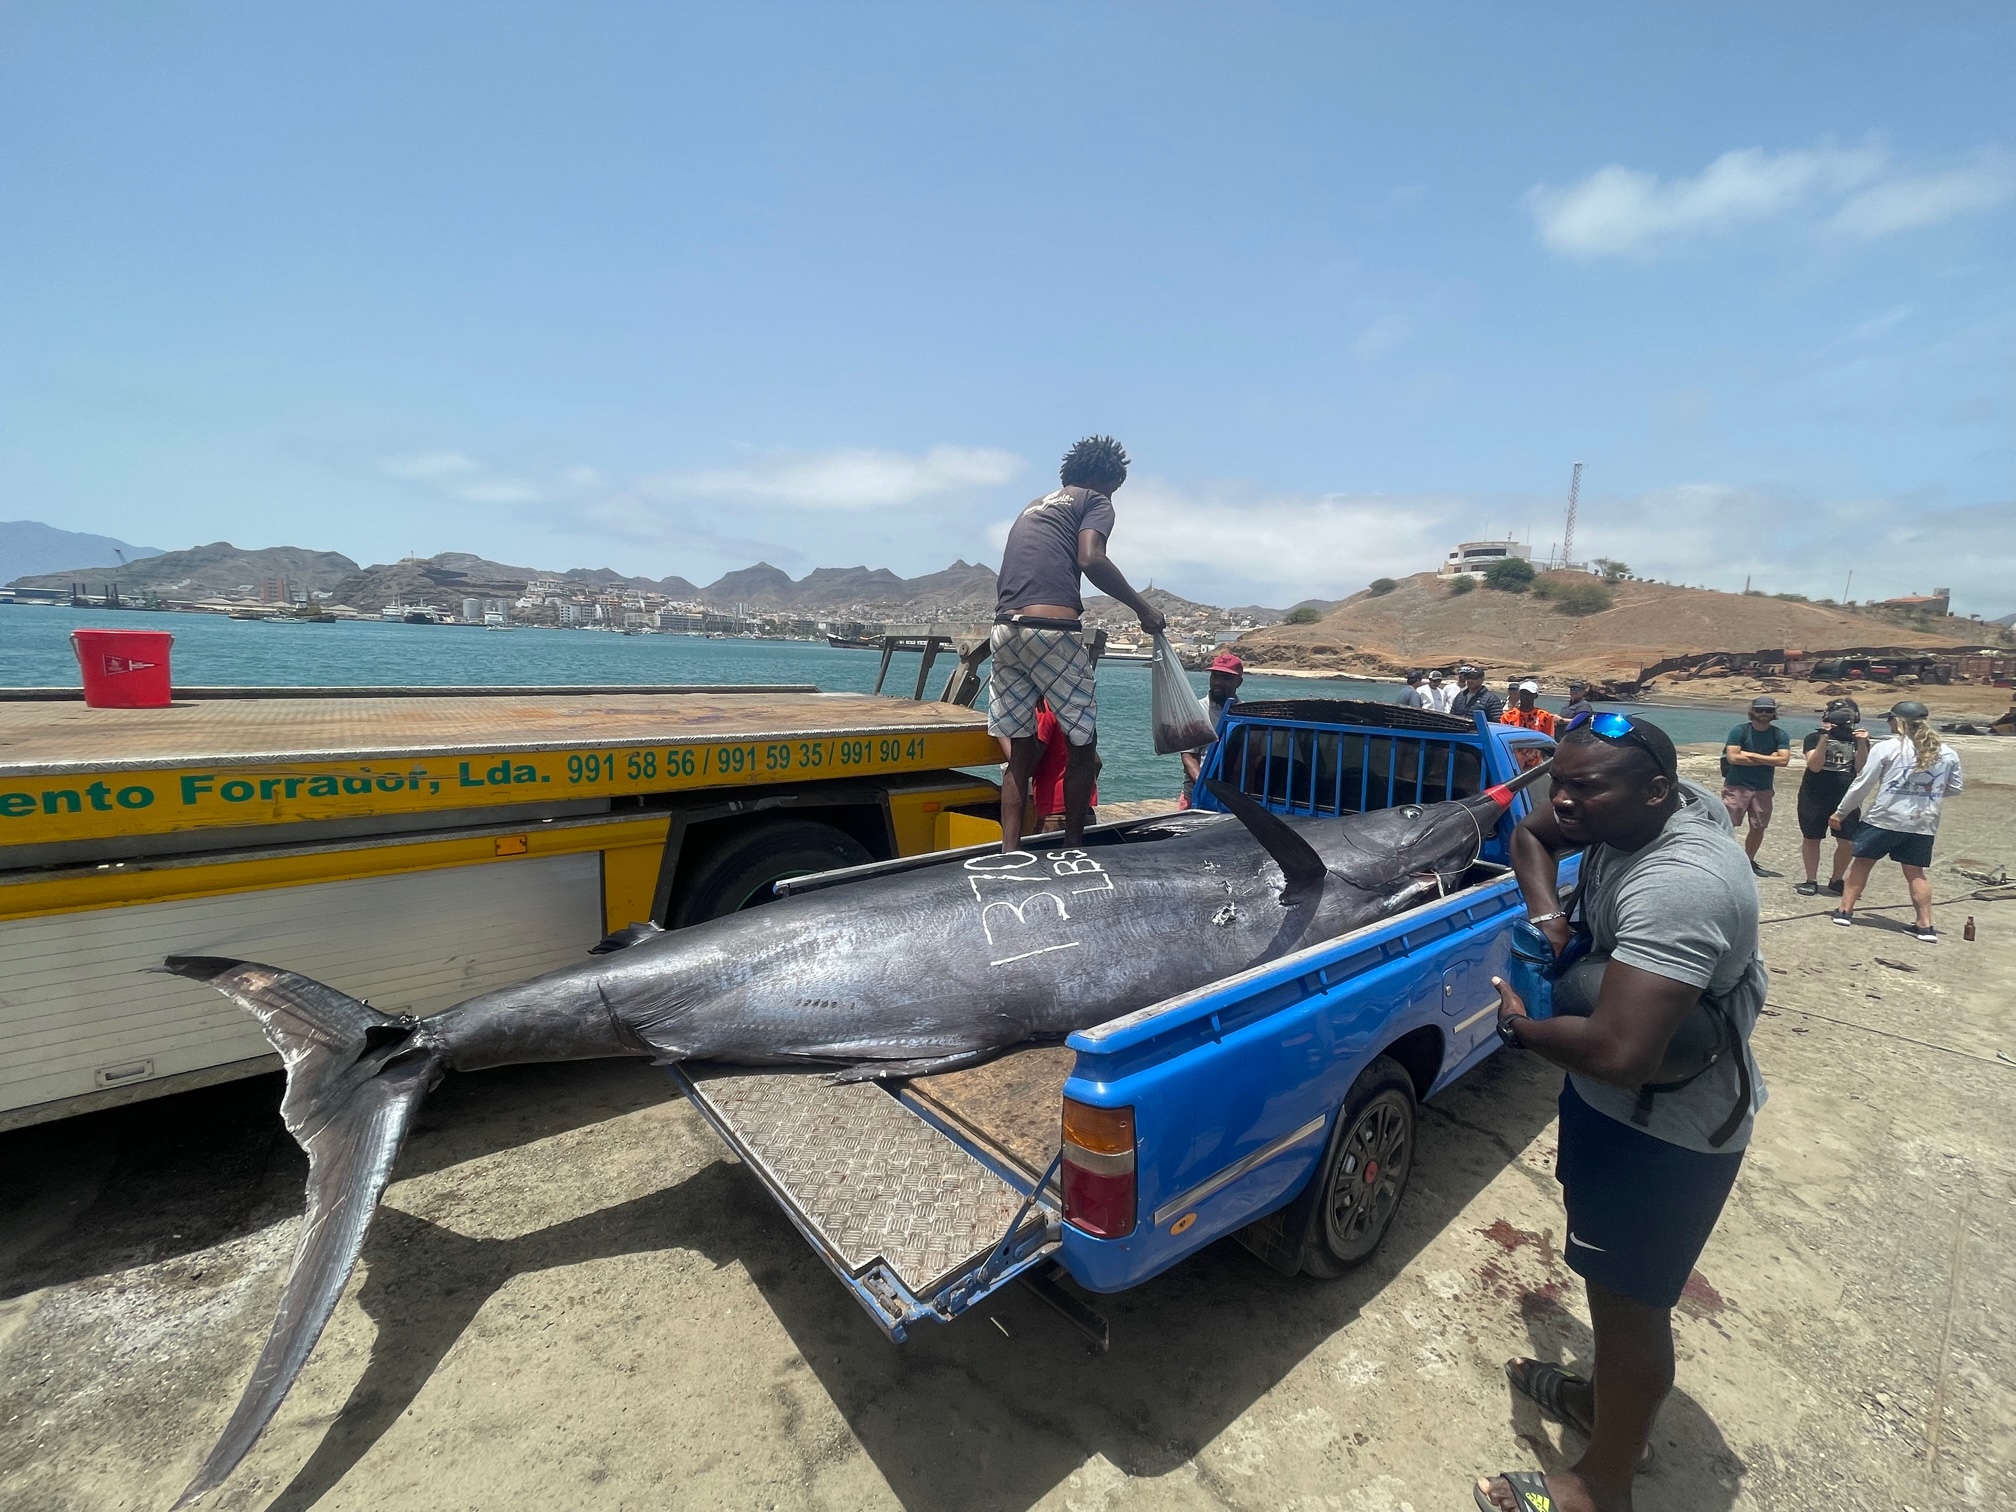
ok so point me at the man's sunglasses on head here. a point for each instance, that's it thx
(1618, 729)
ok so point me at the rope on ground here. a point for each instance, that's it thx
(1978, 895)
(1997, 1059)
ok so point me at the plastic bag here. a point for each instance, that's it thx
(1174, 710)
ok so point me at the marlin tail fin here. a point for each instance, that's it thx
(355, 1078)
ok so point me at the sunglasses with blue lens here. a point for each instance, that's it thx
(1618, 729)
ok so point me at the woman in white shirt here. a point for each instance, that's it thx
(1899, 791)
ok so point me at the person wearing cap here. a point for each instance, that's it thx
(1438, 692)
(1751, 757)
(1899, 791)
(1835, 755)
(1578, 702)
(1415, 695)
(1645, 1162)
(1527, 713)
(1227, 672)
(1474, 697)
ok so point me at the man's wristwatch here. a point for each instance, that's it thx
(1546, 918)
(1509, 1033)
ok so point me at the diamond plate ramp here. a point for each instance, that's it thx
(875, 1181)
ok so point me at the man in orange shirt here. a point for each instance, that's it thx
(1526, 713)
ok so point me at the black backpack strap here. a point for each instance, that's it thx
(1745, 1092)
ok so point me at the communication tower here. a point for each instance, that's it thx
(1568, 530)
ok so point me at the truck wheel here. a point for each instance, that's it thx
(1365, 1174)
(737, 873)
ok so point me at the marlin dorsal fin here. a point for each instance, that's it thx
(1302, 869)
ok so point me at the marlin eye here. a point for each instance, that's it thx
(1411, 811)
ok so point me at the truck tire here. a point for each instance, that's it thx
(1365, 1172)
(736, 873)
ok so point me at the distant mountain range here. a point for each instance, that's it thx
(217, 570)
(965, 590)
(28, 547)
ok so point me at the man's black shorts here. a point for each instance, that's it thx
(1873, 844)
(1639, 1209)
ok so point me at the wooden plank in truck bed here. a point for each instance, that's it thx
(1014, 1104)
(38, 739)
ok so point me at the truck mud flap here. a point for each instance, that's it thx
(918, 1229)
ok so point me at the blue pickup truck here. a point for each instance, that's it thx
(1276, 1106)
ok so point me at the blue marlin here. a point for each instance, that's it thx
(896, 975)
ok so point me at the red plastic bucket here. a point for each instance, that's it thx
(124, 669)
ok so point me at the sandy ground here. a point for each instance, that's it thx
(573, 1298)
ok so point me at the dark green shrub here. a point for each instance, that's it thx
(1462, 585)
(1380, 587)
(1303, 616)
(1579, 599)
(1513, 575)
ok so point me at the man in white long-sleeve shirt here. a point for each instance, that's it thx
(1899, 792)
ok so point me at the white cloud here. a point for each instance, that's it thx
(1907, 203)
(1246, 546)
(499, 491)
(1618, 211)
(776, 495)
(1718, 535)
(848, 479)
(1234, 546)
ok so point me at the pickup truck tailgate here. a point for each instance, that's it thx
(914, 1225)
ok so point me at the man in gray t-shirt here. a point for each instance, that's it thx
(1649, 1144)
(1038, 642)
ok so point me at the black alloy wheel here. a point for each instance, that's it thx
(1366, 1173)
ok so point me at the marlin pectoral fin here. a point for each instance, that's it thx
(1302, 869)
(902, 1070)
(633, 934)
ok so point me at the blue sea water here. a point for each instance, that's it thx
(213, 650)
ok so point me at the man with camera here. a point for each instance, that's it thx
(1835, 754)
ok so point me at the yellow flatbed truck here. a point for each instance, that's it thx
(413, 847)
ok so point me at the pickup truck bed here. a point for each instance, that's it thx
(925, 1197)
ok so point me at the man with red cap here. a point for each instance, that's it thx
(1227, 672)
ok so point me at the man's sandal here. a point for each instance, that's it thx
(1529, 1490)
(1546, 1386)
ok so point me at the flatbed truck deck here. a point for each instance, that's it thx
(414, 846)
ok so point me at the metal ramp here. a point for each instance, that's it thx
(914, 1225)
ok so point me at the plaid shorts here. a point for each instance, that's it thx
(1051, 665)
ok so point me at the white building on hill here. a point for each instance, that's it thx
(1475, 558)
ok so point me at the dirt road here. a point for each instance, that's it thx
(574, 1299)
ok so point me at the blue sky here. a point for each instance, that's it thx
(672, 289)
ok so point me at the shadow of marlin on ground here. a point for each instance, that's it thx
(899, 975)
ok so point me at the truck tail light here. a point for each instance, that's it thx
(1099, 1169)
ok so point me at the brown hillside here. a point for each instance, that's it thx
(1421, 624)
